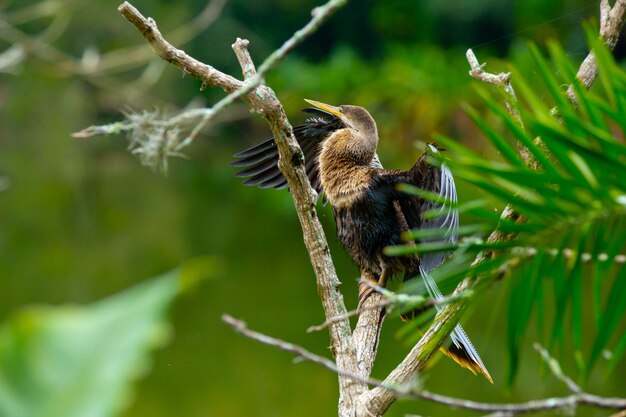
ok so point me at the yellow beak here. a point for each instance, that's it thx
(335, 111)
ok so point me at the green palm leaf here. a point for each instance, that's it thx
(573, 206)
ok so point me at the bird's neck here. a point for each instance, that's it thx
(344, 165)
(346, 148)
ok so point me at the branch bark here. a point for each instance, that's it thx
(611, 23)
(578, 396)
(263, 100)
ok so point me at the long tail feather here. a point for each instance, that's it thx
(461, 350)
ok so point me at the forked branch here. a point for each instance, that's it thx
(263, 100)
(412, 390)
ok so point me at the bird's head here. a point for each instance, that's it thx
(353, 117)
(359, 132)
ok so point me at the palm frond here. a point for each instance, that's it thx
(574, 208)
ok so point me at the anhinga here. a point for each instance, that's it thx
(339, 146)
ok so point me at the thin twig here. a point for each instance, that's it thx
(611, 22)
(568, 253)
(395, 301)
(556, 370)
(502, 80)
(165, 50)
(496, 414)
(243, 56)
(412, 390)
(477, 71)
(533, 406)
(386, 302)
(241, 327)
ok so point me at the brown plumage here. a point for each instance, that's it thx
(339, 146)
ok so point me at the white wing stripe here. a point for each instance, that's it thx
(447, 192)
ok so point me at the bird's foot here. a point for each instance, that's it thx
(408, 316)
(367, 286)
(365, 290)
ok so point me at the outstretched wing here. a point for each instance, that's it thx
(260, 162)
(440, 180)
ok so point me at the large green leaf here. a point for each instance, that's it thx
(78, 361)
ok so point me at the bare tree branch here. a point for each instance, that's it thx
(210, 75)
(611, 22)
(502, 80)
(383, 303)
(263, 100)
(534, 406)
(243, 56)
(124, 59)
(241, 327)
(555, 368)
(578, 397)
(367, 333)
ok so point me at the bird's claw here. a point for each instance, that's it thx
(367, 286)
(365, 290)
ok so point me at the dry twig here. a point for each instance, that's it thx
(611, 22)
(411, 389)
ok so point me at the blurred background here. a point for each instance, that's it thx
(81, 219)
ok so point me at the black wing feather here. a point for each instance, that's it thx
(266, 144)
(256, 169)
(257, 156)
(261, 160)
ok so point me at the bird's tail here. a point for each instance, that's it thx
(461, 350)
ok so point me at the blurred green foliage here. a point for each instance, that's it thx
(82, 219)
(76, 361)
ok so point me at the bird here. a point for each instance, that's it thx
(339, 144)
